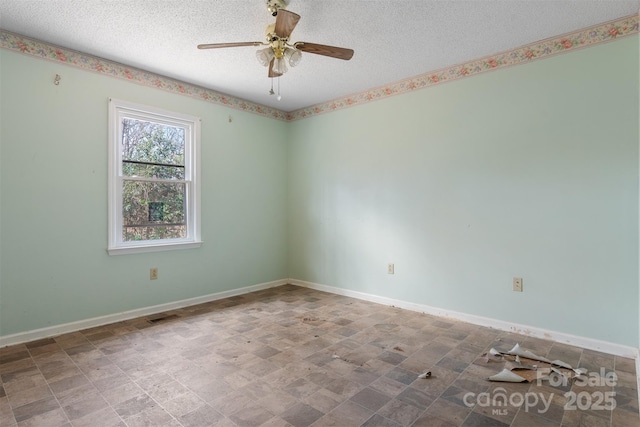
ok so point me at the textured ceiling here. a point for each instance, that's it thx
(392, 40)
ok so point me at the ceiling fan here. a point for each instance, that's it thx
(280, 52)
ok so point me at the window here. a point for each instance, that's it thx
(154, 192)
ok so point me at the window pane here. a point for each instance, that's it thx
(152, 149)
(146, 170)
(153, 210)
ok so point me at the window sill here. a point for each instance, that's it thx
(124, 250)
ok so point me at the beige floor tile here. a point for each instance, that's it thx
(105, 417)
(349, 413)
(447, 411)
(83, 407)
(29, 395)
(251, 415)
(53, 418)
(6, 414)
(152, 418)
(183, 404)
(35, 409)
(20, 382)
(291, 356)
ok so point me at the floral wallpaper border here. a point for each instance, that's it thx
(601, 33)
(43, 50)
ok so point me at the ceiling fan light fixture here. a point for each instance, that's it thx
(265, 56)
(280, 66)
(293, 56)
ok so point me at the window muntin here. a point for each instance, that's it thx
(153, 179)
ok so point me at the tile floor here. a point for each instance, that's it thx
(292, 356)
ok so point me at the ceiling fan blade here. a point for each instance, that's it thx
(221, 45)
(271, 72)
(285, 23)
(321, 49)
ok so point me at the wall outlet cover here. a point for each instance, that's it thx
(517, 284)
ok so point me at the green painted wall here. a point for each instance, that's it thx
(54, 264)
(529, 171)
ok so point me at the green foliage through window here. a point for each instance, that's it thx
(153, 207)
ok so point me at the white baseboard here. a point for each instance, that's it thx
(531, 331)
(584, 342)
(638, 374)
(64, 328)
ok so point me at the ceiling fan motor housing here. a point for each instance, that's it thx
(274, 5)
(278, 44)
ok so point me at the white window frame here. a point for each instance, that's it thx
(118, 110)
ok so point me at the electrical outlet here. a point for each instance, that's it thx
(517, 284)
(153, 273)
(390, 268)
